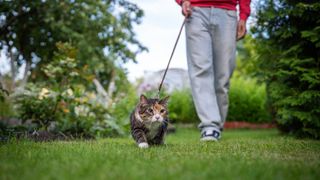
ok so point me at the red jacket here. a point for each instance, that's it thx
(244, 5)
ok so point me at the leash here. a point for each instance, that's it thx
(174, 48)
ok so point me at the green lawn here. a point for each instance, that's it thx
(241, 154)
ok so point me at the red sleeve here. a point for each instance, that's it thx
(179, 1)
(244, 9)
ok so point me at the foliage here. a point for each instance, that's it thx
(37, 105)
(288, 42)
(181, 107)
(247, 100)
(247, 58)
(102, 31)
(6, 106)
(124, 106)
(6, 109)
(241, 154)
(3, 93)
(64, 100)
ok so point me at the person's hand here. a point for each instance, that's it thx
(186, 8)
(241, 29)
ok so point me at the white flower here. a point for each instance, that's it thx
(43, 93)
(91, 96)
(91, 114)
(74, 74)
(81, 110)
(70, 92)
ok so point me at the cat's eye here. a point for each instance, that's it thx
(150, 110)
(162, 111)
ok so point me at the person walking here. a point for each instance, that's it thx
(212, 29)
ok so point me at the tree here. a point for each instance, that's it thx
(102, 31)
(287, 37)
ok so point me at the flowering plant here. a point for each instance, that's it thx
(65, 101)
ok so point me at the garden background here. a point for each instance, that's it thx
(67, 80)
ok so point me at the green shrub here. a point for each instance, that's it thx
(181, 107)
(287, 38)
(123, 107)
(6, 109)
(247, 101)
(65, 100)
(37, 105)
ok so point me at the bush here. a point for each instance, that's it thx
(247, 101)
(65, 100)
(181, 107)
(6, 109)
(123, 107)
(288, 42)
(37, 105)
(5, 104)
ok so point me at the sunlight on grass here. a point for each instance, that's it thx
(241, 154)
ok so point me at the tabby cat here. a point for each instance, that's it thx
(149, 121)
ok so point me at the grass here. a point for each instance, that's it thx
(241, 154)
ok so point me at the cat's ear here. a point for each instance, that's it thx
(164, 101)
(143, 99)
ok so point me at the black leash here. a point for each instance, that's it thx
(174, 48)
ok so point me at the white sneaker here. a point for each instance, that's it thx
(210, 135)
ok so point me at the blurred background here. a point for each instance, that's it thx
(77, 68)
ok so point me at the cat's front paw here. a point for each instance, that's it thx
(143, 145)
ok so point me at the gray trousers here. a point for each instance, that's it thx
(211, 49)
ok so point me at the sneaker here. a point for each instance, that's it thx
(212, 135)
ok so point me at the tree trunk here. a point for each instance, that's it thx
(13, 67)
(101, 91)
(25, 74)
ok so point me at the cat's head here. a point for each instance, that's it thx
(153, 109)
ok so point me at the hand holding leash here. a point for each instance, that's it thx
(186, 8)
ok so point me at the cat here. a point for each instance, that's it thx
(149, 121)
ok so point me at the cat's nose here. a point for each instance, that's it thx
(157, 117)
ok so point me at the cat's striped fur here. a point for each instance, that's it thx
(149, 121)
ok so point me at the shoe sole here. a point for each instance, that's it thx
(209, 138)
